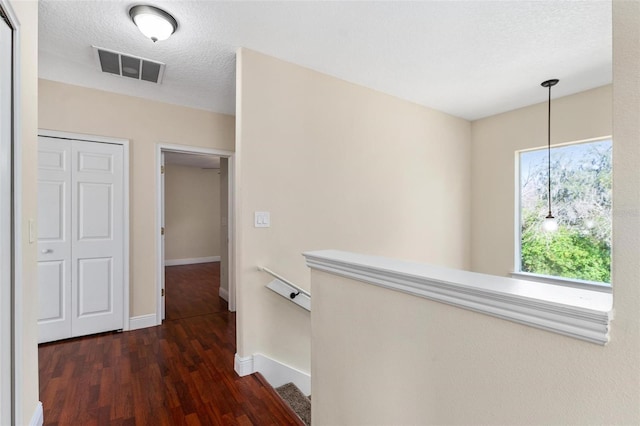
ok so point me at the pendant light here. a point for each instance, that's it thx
(153, 22)
(550, 223)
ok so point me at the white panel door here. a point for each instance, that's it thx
(97, 252)
(80, 238)
(54, 239)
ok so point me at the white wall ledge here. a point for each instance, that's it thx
(579, 313)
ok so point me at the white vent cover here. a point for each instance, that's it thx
(126, 65)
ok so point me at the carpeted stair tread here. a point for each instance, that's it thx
(299, 402)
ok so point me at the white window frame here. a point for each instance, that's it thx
(517, 261)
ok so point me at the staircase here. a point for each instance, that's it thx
(299, 402)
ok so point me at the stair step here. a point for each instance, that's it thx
(299, 402)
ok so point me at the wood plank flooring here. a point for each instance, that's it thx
(192, 290)
(179, 373)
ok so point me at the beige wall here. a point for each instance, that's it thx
(495, 140)
(192, 212)
(338, 166)
(382, 357)
(27, 364)
(76, 109)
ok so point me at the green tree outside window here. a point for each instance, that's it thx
(581, 177)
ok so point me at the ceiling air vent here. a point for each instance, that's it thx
(126, 65)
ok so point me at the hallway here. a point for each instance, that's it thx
(192, 290)
(179, 373)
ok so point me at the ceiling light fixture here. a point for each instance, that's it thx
(153, 22)
(550, 223)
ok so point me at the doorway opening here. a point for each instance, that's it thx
(194, 194)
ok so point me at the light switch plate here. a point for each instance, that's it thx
(262, 220)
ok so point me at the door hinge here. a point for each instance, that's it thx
(161, 169)
(162, 292)
(162, 231)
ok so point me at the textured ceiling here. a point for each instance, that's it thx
(468, 58)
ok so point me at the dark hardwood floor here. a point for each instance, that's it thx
(192, 290)
(179, 373)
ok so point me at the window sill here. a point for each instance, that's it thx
(567, 282)
(575, 312)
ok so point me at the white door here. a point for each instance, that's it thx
(54, 239)
(97, 288)
(80, 238)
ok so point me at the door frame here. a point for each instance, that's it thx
(11, 342)
(185, 149)
(125, 205)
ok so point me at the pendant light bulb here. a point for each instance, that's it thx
(550, 224)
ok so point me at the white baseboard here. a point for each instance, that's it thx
(38, 416)
(142, 321)
(191, 261)
(243, 365)
(224, 293)
(276, 373)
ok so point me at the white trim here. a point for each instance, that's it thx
(583, 314)
(164, 147)
(16, 341)
(243, 365)
(517, 229)
(142, 321)
(7, 213)
(81, 137)
(569, 282)
(37, 419)
(125, 205)
(187, 149)
(566, 143)
(191, 261)
(161, 190)
(278, 374)
(233, 235)
(223, 293)
(275, 372)
(127, 242)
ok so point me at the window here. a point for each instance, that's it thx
(581, 176)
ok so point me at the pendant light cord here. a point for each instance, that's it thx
(549, 149)
(549, 84)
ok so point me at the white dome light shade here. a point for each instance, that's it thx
(550, 224)
(153, 22)
(153, 27)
